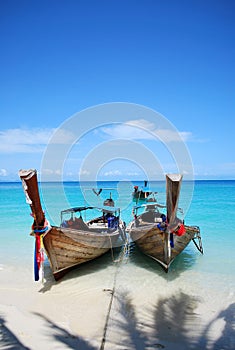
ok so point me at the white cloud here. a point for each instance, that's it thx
(167, 135)
(48, 172)
(124, 131)
(144, 130)
(31, 140)
(84, 172)
(62, 136)
(133, 173)
(142, 123)
(23, 140)
(3, 172)
(228, 166)
(112, 173)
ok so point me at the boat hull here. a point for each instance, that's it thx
(153, 242)
(68, 248)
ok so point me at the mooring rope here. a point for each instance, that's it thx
(125, 250)
(124, 253)
(108, 313)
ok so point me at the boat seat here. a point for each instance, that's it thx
(150, 216)
(78, 224)
(81, 224)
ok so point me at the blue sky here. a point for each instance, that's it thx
(60, 57)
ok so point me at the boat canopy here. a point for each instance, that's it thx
(108, 209)
(105, 208)
(149, 204)
(75, 209)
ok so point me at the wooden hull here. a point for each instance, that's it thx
(67, 248)
(153, 242)
(140, 195)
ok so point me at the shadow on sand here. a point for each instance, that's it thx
(8, 340)
(172, 324)
(61, 335)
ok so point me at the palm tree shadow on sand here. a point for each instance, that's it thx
(172, 324)
(174, 320)
(136, 339)
(8, 340)
(227, 339)
(62, 336)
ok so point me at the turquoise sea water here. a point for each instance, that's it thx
(211, 207)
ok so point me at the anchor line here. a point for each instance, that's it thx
(113, 290)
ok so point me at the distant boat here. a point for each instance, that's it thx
(163, 236)
(75, 241)
(140, 194)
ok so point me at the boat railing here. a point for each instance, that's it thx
(197, 239)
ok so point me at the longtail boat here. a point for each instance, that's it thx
(75, 241)
(163, 236)
(140, 194)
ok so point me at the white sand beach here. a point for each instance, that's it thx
(103, 305)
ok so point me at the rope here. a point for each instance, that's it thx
(108, 314)
(125, 252)
(111, 249)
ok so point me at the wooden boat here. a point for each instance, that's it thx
(163, 236)
(75, 241)
(140, 194)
